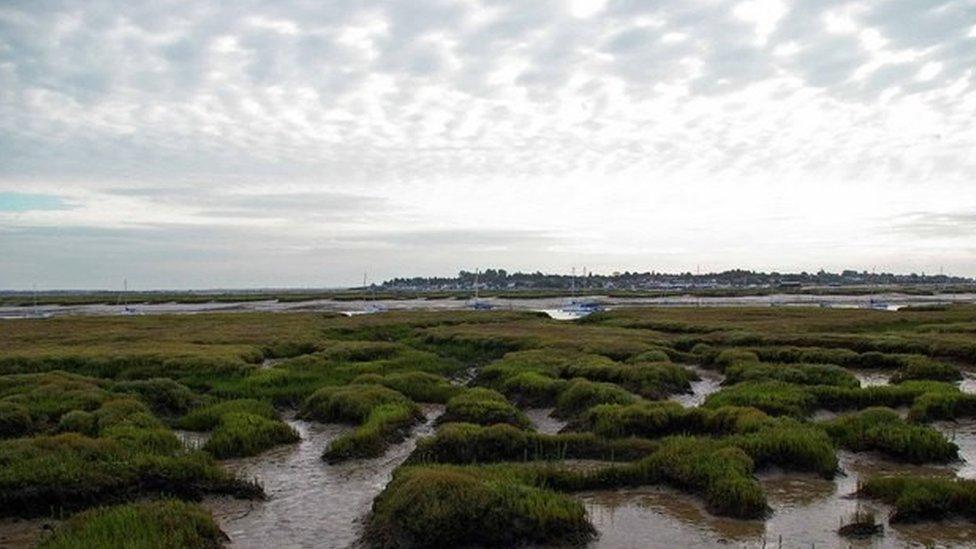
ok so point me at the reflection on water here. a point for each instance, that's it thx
(807, 511)
(543, 422)
(310, 503)
(708, 383)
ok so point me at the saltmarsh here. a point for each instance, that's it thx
(87, 408)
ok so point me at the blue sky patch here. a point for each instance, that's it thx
(25, 202)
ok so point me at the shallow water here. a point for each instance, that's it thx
(310, 503)
(543, 422)
(968, 383)
(963, 433)
(807, 512)
(192, 440)
(709, 382)
(871, 378)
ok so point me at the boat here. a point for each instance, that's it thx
(475, 303)
(581, 307)
(35, 312)
(124, 300)
(370, 306)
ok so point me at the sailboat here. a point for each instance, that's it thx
(476, 303)
(370, 306)
(35, 312)
(579, 307)
(124, 300)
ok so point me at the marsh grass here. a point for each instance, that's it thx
(167, 524)
(449, 507)
(945, 405)
(917, 498)
(418, 386)
(882, 430)
(15, 420)
(582, 394)
(482, 406)
(386, 424)
(49, 474)
(242, 434)
(798, 373)
(207, 417)
(468, 443)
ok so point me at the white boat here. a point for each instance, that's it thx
(578, 307)
(370, 306)
(124, 301)
(475, 303)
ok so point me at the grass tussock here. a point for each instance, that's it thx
(446, 507)
(385, 425)
(581, 394)
(946, 405)
(918, 498)
(773, 397)
(882, 430)
(467, 443)
(349, 403)
(167, 524)
(50, 474)
(417, 386)
(483, 407)
(207, 417)
(799, 374)
(243, 434)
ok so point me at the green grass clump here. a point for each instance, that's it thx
(789, 445)
(533, 389)
(918, 367)
(78, 421)
(167, 524)
(243, 434)
(581, 395)
(448, 507)
(728, 357)
(468, 443)
(882, 430)
(207, 417)
(49, 474)
(165, 396)
(483, 407)
(648, 379)
(918, 498)
(773, 397)
(349, 403)
(15, 420)
(943, 405)
(798, 373)
(890, 396)
(664, 418)
(418, 386)
(49, 395)
(385, 425)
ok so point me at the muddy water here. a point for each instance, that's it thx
(968, 383)
(807, 513)
(708, 383)
(543, 422)
(310, 503)
(963, 433)
(192, 440)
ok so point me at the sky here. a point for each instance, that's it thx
(298, 143)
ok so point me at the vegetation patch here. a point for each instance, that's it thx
(483, 407)
(385, 425)
(581, 394)
(243, 434)
(800, 374)
(468, 443)
(773, 397)
(881, 430)
(445, 507)
(418, 386)
(917, 498)
(207, 417)
(168, 524)
(946, 405)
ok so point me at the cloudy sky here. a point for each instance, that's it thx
(201, 143)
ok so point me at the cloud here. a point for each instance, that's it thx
(25, 202)
(952, 225)
(303, 121)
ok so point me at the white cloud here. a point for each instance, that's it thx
(623, 127)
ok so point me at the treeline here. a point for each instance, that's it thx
(502, 279)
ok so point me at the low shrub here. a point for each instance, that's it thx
(167, 524)
(482, 407)
(449, 507)
(773, 397)
(882, 430)
(418, 386)
(918, 498)
(46, 475)
(385, 425)
(943, 405)
(582, 394)
(242, 434)
(207, 417)
(798, 373)
(468, 443)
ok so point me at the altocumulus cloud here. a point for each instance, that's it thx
(622, 133)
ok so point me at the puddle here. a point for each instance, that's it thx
(807, 513)
(968, 383)
(709, 383)
(963, 433)
(310, 503)
(543, 422)
(871, 378)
